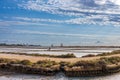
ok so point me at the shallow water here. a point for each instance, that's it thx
(59, 76)
(58, 51)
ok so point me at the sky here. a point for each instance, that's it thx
(71, 22)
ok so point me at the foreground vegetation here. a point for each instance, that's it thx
(69, 55)
(103, 54)
(103, 61)
(104, 64)
(110, 53)
(48, 67)
(82, 64)
(43, 63)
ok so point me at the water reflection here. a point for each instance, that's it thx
(59, 76)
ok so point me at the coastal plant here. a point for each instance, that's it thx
(67, 55)
(89, 55)
(109, 53)
(103, 54)
(63, 63)
(46, 63)
(111, 60)
(85, 63)
(4, 60)
(26, 62)
(14, 62)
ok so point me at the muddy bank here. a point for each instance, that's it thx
(50, 71)
(93, 72)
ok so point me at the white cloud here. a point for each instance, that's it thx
(55, 34)
(117, 2)
(100, 2)
(71, 6)
(92, 19)
(105, 38)
(20, 23)
(85, 11)
(37, 19)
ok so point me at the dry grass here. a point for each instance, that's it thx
(35, 58)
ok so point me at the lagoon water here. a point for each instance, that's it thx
(58, 51)
(60, 76)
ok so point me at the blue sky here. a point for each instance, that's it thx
(71, 22)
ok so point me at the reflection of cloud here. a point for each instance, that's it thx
(84, 10)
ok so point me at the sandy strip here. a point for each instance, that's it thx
(35, 58)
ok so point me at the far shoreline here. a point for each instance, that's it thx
(54, 46)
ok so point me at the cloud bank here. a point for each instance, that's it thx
(103, 12)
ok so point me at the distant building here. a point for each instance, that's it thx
(49, 48)
(61, 45)
(52, 45)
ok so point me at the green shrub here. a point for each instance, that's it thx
(67, 56)
(109, 53)
(111, 60)
(86, 63)
(64, 63)
(25, 62)
(14, 62)
(3, 60)
(44, 55)
(89, 55)
(11, 61)
(46, 63)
